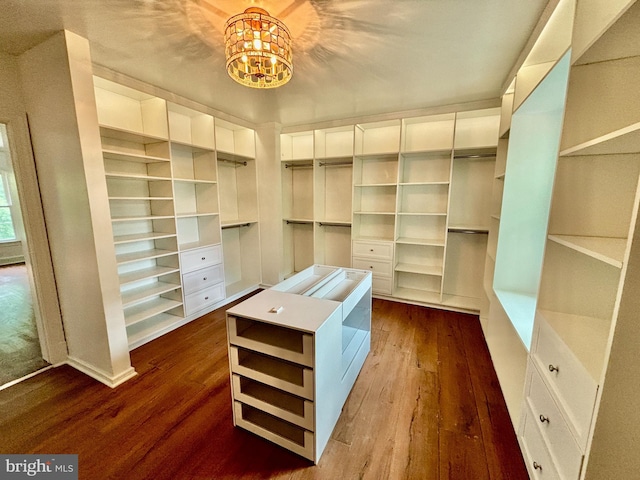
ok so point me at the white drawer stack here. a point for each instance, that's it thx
(559, 401)
(202, 278)
(287, 355)
(376, 256)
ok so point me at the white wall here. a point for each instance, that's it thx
(59, 97)
(37, 256)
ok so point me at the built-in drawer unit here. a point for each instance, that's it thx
(287, 376)
(376, 257)
(203, 298)
(274, 401)
(382, 285)
(536, 456)
(567, 378)
(284, 343)
(561, 444)
(382, 250)
(203, 278)
(271, 427)
(295, 351)
(191, 260)
(377, 267)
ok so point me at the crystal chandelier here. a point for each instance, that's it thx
(258, 49)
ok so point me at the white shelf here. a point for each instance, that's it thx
(374, 185)
(423, 214)
(140, 294)
(142, 332)
(129, 136)
(585, 336)
(374, 213)
(134, 198)
(436, 242)
(132, 157)
(194, 181)
(141, 236)
(133, 176)
(141, 217)
(424, 296)
(143, 255)
(461, 302)
(197, 214)
(521, 310)
(146, 274)
(608, 250)
(146, 310)
(420, 269)
(237, 222)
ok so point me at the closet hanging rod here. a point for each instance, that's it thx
(478, 155)
(298, 165)
(334, 164)
(329, 224)
(299, 222)
(236, 162)
(469, 231)
(237, 225)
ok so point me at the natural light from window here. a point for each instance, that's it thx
(7, 230)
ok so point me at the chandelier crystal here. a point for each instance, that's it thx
(258, 49)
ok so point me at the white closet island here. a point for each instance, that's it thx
(295, 351)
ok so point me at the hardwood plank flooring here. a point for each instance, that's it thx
(426, 406)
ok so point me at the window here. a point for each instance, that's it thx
(7, 231)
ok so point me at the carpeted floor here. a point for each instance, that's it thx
(20, 352)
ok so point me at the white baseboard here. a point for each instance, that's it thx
(103, 377)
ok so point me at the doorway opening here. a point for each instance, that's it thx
(20, 346)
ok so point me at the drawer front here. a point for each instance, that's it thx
(381, 285)
(199, 279)
(539, 463)
(276, 402)
(378, 267)
(567, 379)
(199, 300)
(382, 250)
(560, 442)
(294, 439)
(274, 340)
(201, 257)
(287, 376)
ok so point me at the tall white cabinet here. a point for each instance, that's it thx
(183, 199)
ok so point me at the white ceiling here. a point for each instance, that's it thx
(352, 58)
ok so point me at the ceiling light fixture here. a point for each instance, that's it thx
(258, 49)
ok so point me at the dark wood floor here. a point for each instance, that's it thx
(426, 406)
(20, 352)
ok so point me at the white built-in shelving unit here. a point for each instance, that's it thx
(168, 206)
(137, 156)
(425, 207)
(420, 210)
(333, 149)
(566, 360)
(235, 153)
(316, 183)
(195, 186)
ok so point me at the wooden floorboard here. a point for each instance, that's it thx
(426, 406)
